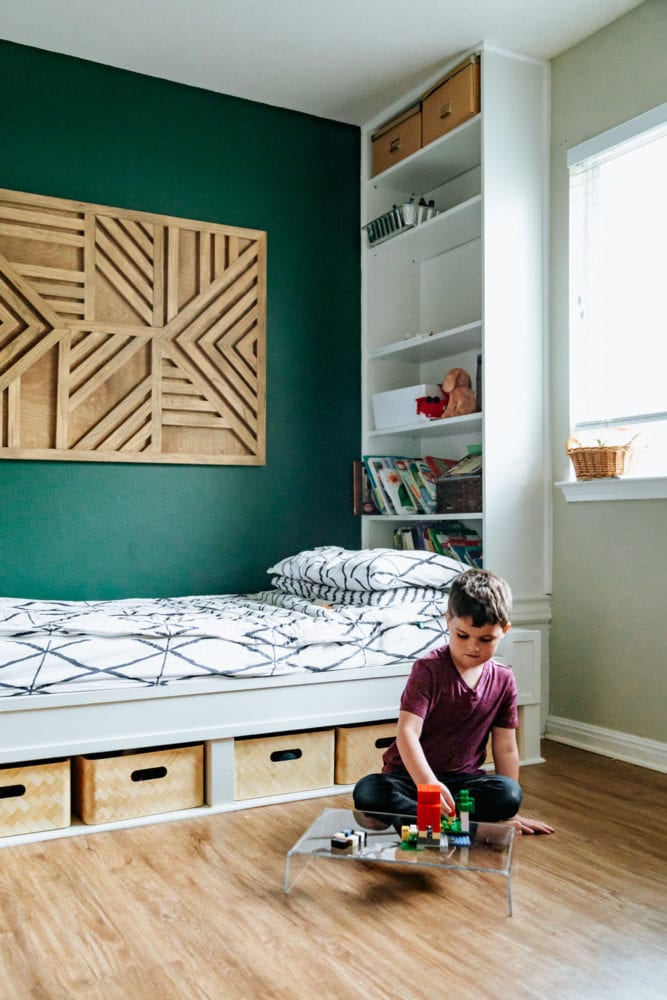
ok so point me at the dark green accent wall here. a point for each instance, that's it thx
(75, 129)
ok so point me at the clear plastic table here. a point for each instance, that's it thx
(489, 850)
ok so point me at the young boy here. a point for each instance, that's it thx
(454, 698)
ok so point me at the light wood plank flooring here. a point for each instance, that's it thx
(195, 910)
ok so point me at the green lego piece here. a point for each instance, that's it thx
(465, 802)
(450, 824)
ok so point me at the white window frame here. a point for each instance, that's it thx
(654, 487)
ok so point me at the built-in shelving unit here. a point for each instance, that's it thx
(468, 284)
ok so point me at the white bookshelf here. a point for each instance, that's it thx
(468, 282)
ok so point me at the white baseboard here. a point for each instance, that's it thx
(608, 743)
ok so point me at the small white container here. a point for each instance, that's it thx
(399, 406)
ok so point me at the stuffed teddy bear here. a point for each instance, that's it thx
(457, 385)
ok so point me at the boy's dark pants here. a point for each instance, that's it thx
(395, 794)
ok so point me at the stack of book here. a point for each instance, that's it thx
(453, 539)
(402, 485)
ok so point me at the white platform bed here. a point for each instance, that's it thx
(89, 714)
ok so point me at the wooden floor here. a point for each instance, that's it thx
(195, 910)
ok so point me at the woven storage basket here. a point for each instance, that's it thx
(603, 461)
(111, 787)
(292, 762)
(458, 494)
(359, 750)
(34, 797)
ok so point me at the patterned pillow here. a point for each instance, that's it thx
(426, 600)
(369, 569)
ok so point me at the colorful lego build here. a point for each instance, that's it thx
(434, 830)
(348, 841)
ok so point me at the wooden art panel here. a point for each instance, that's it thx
(129, 337)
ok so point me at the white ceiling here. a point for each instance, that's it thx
(341, 59)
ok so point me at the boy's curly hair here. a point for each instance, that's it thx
(482, 596)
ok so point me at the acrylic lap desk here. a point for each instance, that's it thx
(490, 849)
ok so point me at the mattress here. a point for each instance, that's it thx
(328, 609)
(53, 646)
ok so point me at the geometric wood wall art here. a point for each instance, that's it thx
(129, 337)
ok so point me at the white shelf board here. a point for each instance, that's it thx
(462, 516)
(440, 161)
(434, 346)
(446, 231)
(455, 425)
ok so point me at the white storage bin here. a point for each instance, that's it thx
(399, 406)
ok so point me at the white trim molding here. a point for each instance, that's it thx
(651, 488)
(529, 611)
(608, 742)
(653, 118)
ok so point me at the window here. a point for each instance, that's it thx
(618, 288)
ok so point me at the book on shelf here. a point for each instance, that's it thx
(438, 465)
(419, 480)
(460, 542)
(390, 492)
(373, 464)
(468, 466)
(398, 491)
(401, 484)
(454, 539)
(362, 492)
(465, 546)
(478, 382)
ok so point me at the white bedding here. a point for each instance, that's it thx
(332, 609)
(47, 647)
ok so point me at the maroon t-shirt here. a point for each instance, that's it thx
(457, 720)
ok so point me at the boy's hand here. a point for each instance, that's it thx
(524, 825)
(447, 803)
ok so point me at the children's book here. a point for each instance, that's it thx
(466, 467)
(405, 468)
(421, 470)
(460, 542)
(362, 490)
(398, 493)
(374, 463)
(438, 465)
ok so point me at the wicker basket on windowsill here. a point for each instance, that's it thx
(603, 461)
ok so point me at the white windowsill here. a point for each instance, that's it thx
(651, 488)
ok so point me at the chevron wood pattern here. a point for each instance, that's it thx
(131, 337)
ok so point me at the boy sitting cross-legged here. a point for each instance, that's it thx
(454, 698)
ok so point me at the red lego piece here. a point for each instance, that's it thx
(428, 808)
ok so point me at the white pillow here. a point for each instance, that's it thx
(369, 569)
(430, 600)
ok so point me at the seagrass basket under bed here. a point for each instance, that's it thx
(603, 461)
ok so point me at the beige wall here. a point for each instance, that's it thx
(608, 648)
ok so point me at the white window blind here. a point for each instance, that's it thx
(618, 281)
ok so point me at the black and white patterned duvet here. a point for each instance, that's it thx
(60, 646)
